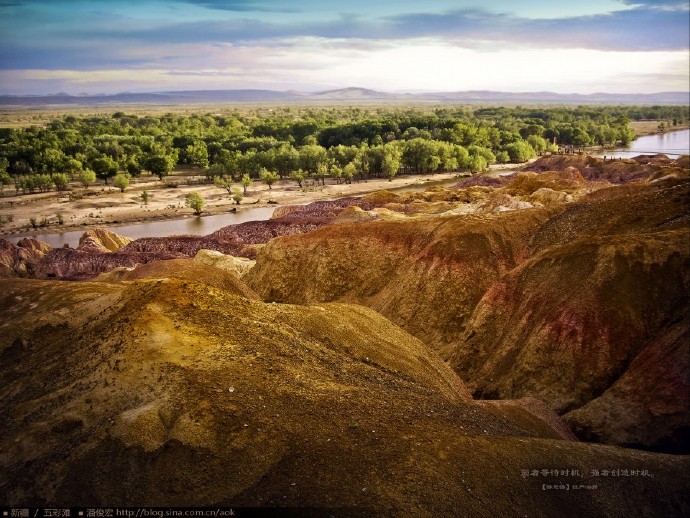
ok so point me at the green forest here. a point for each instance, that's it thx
(344, 144)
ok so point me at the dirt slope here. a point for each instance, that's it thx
(170, 392)
(574, 320)
(425, 274)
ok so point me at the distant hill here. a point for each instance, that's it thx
(340, 95)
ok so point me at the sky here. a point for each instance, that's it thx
(579, 46)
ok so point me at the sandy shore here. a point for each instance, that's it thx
(644, 128)
(100, 205)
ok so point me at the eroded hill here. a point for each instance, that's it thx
(585, 298)
(170, 392)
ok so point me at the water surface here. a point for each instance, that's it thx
(196, 226)
(673, 144)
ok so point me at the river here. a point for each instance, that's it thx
(673, 144)
(198, 226)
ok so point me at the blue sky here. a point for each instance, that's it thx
(586, 46)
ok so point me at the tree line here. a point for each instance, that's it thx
(344, 144)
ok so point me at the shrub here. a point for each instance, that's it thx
(121, 182)
(61, 181)
(194, 201)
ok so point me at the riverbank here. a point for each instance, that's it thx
(644, 128)
(81, 209)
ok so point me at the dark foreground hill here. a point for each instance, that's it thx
(171, 392)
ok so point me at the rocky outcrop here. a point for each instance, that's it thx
(22, 259)
(239, 266)
(102, 240)
(320, 212)
(614, 171)
(181, 246)
(100, 250)
(71, 264)
(273, 405)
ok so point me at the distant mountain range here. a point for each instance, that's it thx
(341, 95)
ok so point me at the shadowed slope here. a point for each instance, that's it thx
(568, 323)
(597, 321)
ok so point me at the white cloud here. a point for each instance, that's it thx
(423, 64)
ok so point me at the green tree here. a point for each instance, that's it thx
(311, 158)
(502, 157)
(198, 154)
(392, 157)
(581, 138)
(336, 173)
(237, 195)
(298, 176)
(285, 160)
(73, 166)
(5, 179)
(520, 151)
(87, 177)
(195, 201)
(483, 152)
(104, 167)
(53, 160)
(121, 181)
(321, 172)
(246, 182)
(269, 177)
(478, 164)
(537, 143)
(160, 164)
(133, 166)
(349, 172)
(145, 196)
(61, 181)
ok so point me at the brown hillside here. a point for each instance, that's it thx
(607, 278)
(169, 393)
(626, 209)
(426, 275)
(600, 170)
(191, 270)
(569, 322)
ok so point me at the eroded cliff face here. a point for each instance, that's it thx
(22, 259)
(102, 240)
(593, 316)
(571, 323)
(177, 392)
